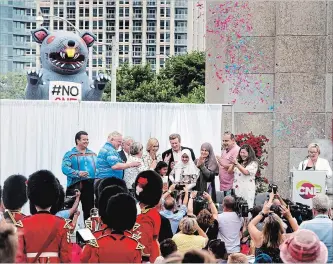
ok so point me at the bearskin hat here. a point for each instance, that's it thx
(111, 181)
(148, 187)
(15, 192)
(117, 218)
(106, 194)
(43, 189)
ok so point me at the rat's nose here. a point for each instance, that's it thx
(71, 43)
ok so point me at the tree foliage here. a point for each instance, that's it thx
(12, 86)
(181, 81)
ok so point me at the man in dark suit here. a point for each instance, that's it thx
(174, 154)
(125, 148)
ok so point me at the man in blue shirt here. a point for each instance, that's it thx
(170, 206)
(79, 165)
(321, 225)
(109, 163)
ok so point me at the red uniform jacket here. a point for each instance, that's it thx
(35, 232)
(112, 248)
(14, 217)
(147, 227)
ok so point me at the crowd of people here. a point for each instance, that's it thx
(146, 206)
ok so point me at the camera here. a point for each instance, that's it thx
(179, 186)
(299, 210)
(199, 203)
(273, 187)
(241, 206)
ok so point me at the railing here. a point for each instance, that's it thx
(151, 41)
(110, 28)
(151, 53)
(20, 31)
(151, 16)
(151, 3)
(110, 15)
(137, 41)
(137, 3)
(137, 15)
(165, 40)
(137, 28)
(180, 29)
(137, 53)
(70, 15)
(180, 3)
(110, 3)
(109, 53)
(181, 16)
(180, 42)
(150, 28)
(71, 3)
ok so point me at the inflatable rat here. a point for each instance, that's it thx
(63, 76)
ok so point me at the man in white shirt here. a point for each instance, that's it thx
(174, 155)
(230, 225)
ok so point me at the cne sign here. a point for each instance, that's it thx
(308, 190)
(65, 91)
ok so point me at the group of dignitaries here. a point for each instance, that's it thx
(128, 227)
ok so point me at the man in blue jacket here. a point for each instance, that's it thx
(79, 165)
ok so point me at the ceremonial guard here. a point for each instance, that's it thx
(115, 246)
(148, 191)
(43, 237)
(94, 222)
(14, 197)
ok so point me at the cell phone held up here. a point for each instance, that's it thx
(272, 187)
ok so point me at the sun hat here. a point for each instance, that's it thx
(303, 246)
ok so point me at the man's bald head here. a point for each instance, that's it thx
(169, 203)
(229, 203)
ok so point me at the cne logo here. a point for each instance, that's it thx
(307, 190)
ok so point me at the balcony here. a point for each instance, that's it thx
(111, 15)
(181, 29)
(137, 16)
(151, 16)
(151, 28)
(21, 31)
(71, 3)
(108, 53)
(69, 16)
(137, 53)
(151, 41)
(181, 42)
(137, 28)
(137, 41)
(18, 44)
(165, 40)
(110, 3)
(181, 16)
(137, 3)
(151, 53)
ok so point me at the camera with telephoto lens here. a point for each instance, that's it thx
(241, 206)
(299, 210)
(179, 186)
(199, 203)
(273, 187)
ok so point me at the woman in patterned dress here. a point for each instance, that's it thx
(245, 167)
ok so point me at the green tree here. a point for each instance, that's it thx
(187, 71)
(196, 96)
(12, 85)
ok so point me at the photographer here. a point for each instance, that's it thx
(169, 204)
(207, 218)
(230, 225)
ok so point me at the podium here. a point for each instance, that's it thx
(305, 184)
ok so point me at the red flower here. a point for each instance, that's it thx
(142, 181)
(265, 180)
(265, 163)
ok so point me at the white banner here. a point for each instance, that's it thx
(306, 185)
(65, 91)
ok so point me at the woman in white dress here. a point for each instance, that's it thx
(185, 172)
(245, 167)
(314, 162)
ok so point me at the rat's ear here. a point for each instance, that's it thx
(88, 38)
(40, 34)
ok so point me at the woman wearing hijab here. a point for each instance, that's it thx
(185, 172)
(208, 167)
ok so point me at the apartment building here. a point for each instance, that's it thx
(17, 51)
(146, 31)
